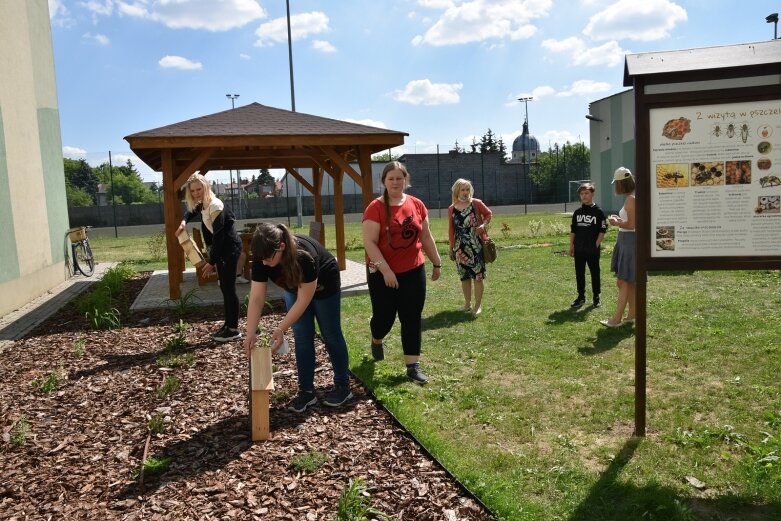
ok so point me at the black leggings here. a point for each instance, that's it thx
(407, 301)
(226, 271)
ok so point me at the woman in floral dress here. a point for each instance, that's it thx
(468, 218)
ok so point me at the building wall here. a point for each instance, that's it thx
(612, 145)
(33, 207)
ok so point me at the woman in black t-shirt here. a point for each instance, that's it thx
(309, 277)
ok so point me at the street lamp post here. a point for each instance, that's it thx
(233, 97)
(525, 159)
(299, 205)
(773, 19)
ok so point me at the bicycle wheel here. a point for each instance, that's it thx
(82, 258)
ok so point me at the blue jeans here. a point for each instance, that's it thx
(327, 311)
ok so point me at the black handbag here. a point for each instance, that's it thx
(489, 250)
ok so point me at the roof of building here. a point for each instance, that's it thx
(699, 59)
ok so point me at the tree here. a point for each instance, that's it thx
(76, 196)
(561, 164)
(128, 186)
(265, 179)
(80, 175)
(385, 156)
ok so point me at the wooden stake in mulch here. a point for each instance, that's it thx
(261, 383)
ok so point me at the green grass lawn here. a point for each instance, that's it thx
(531, 405)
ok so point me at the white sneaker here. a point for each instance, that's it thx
(241, 280)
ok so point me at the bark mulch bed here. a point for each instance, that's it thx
(87, 438)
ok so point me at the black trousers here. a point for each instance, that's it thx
(226, 271)
(592, 260)
(407, 302)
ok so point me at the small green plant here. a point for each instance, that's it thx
(115, 278)
(308, 461)
(153, 466)
(156, 424)
(181, 326)
(19, 431)
(558, 228)
(170, 385)
(103, 319)
(100, 299)
(174, 360)
(354, 503)
(78, 347)
(184, 304)
(176, 342)
(156, 245)
(535, 226)
(506, 230)
(50, 383)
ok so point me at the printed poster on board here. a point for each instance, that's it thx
(716, 180)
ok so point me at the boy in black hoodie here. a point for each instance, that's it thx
(586, 233)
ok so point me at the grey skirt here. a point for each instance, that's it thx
(623, 261)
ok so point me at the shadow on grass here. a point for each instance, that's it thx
(367, 374)
(611, 499)
(445, 319)
(570, 315)
(607, 339)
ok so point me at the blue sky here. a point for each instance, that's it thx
(440, 70)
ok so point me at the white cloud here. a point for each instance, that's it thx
(479, 20)
(609, 53)
(367, 122)
(436, 4)
(244, 56)
(423, 92)
(74, 152)
(632, 20)
(56, 8)
(585, 87)
(301, 26)
(98, 8)
(551, 137)
(177, 62)
(323, 46)
(101, 39)
(195, 14)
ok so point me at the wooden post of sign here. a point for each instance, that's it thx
(261, 383)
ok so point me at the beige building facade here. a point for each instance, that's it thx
(33, 207)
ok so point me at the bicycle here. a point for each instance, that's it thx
(82, 253)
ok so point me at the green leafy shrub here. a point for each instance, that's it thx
(115, 278)
(99, 298)
(103, 319)
(354, 503)
(156, 245)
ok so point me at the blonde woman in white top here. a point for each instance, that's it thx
(623, 261)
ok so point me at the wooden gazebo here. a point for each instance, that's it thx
(255, 136)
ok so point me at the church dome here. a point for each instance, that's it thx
(525, 147)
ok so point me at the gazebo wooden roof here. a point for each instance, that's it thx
(255, 136)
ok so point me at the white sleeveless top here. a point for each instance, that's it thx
(623, 216)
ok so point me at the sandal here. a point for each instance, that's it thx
(608, 323)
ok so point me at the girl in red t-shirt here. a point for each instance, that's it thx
(396, 235)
